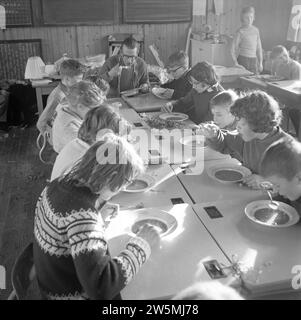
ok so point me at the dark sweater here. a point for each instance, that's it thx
(181, 87)
(197, 105)
(131, 78)
(249, 153)
(70, 252)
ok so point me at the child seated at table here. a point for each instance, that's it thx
(82, 97)
(281, 165)
(288, 69)
(178, 67)
(71, 72)
(258, 119)
(97, 123)
(220, 108)
(71, 253)
(283, 66)
(196, 104)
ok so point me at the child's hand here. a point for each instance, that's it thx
(144, 88)
(260, 67)
(237, 65)
(109, 211)
(209, 130)
(254, 181)
(167, 108)
(150, 234)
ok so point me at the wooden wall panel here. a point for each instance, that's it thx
(272, 19)
(79, 41)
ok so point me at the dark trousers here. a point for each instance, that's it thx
(249, 63)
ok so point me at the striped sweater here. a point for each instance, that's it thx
(70, 252)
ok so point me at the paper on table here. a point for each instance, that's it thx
(199, 7)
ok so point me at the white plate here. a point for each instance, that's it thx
(194, 141)
(165, 222)
(140, 184)
(291, 215)
(239, 171)
(162, 93)
(173, 116)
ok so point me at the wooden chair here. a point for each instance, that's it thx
(23, 274)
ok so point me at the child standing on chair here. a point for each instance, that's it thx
(246, 48)
(71, 72)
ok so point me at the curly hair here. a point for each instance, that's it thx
(260, 110)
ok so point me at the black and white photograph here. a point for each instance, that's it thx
(150, 152)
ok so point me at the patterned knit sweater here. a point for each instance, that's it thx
(70, 252)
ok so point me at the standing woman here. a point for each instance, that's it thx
(246, 48)
(71, 254)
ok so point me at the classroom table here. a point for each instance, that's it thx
(146, 102)
(253, 83)
(274, 251)
(166, 191)
(200, 238)
(173, 266)
(231, 74)
(288, 91)
(201, 188)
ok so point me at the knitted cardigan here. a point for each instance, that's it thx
(70, 252)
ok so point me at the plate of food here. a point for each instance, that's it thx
(140, 184)
(265, 213)
(158, 123)
(227, 173)
(162, 93)
(163, 221)
(194, 141)
(173, 116)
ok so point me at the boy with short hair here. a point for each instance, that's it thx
(258, 126)
(178, 67)
(196, 104)
(283, 66)
(71, 72)
(281, 165)
(220, 107)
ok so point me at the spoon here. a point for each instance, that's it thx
(268, 187)
(273, 205)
